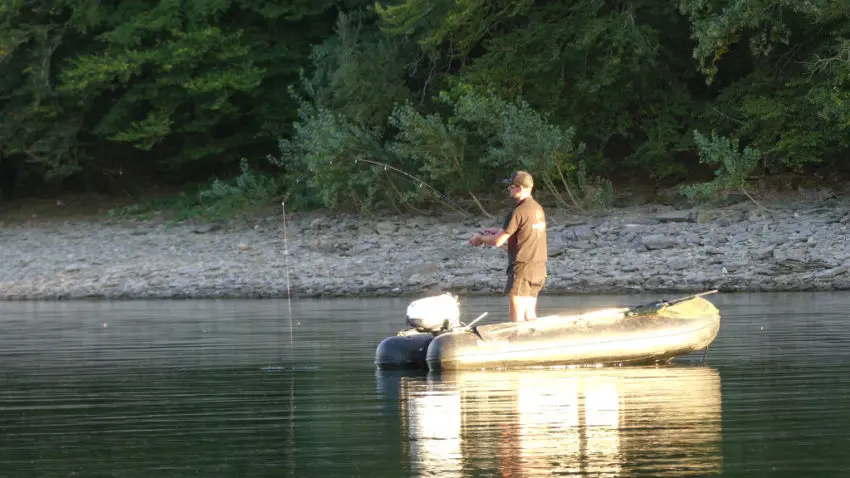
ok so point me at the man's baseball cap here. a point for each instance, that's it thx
(520, 178)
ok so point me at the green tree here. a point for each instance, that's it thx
(38, 121)
(780, 70)
(193, 82)
(614, 71)
(198, 79)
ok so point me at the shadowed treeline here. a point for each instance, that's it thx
(357, 105)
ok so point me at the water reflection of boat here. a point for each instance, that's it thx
(657, 421)
(644, 334)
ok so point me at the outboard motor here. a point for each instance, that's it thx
(434, 314)
(427, 318)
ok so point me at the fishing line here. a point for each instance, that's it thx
(288, 293)
(291, 345)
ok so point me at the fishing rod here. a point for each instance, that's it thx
(417, 181)
(357, 134)
(655, 307)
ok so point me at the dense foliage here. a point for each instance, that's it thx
(404, 102)
(190, 82)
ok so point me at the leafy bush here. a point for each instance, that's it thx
(321, 161)
(593, 193)
(439, 148)
(734, 167)
(221, 199)
(249, 189)
(485, 138)
(462, 149)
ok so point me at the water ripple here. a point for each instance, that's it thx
(227, 388)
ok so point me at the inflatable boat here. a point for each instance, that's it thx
(644, 334)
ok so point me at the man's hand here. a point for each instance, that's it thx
(488, 235)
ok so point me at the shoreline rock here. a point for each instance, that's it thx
(790, 246)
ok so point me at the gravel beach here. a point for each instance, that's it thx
(784, 246)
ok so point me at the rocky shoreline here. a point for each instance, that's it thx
(783, 246)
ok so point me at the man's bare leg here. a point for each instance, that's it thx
(523, 308)
(530, 308)
(516, 308)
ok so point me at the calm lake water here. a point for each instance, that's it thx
(228, 389)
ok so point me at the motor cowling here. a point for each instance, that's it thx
(433, 314)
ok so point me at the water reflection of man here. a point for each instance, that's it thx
(524, 230)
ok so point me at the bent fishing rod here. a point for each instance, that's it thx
(417, 181)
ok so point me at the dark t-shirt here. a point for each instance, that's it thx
(527, 252)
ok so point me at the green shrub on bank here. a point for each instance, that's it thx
(220, 199)
(464, 146)
(733, 166)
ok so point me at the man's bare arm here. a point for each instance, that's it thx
(496, 239)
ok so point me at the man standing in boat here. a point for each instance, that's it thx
(524, 230)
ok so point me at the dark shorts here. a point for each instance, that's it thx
(522, 287)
